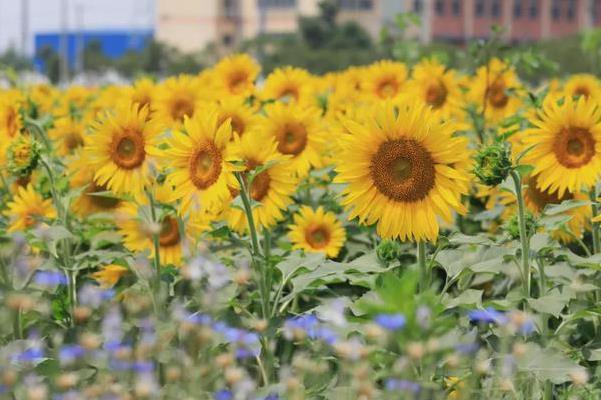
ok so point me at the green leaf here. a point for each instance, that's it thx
(469, 297)
(547, 364)
(553, 303)
(554, 209)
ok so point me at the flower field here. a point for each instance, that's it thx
(383, 232)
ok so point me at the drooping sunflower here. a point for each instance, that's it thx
(437, 87)
(585, 85)
(68, 134)
(567, 145)
(177, 98)
(119, 150)
(385, 80)
(317, 231)
(27, 208)
(297, 131)
(289, 84)
(109, 275)
(198, 159)
(236, 75)
(404, 168)
(496, 90)
(272, 188)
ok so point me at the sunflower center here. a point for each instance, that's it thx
(104, 202)
(540, 199)
(237, 123)
(574, 147)
(387, 88)
(582, 91)
(292, 139)
(169, 234)
(205, 166)
(182, 107)
(403, 170)
(436, 95)
(318, 236)
(497, 95)
(127, 149)
(237, 82)
(73, 140)
(11, 122)
(289, 93)
(260, 186)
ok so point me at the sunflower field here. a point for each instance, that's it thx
(384, 232)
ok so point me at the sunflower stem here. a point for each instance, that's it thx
(595, 225)
(423, 268)
(524, 237)
(157, 249)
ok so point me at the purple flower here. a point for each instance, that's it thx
(223, 394)
(93, 296)
(392, 322)
(50, 279)
(33, 355)
(402, 385)
(70, 352)
(488, 315)
(467, 348)
(325, 334)
(143, 366)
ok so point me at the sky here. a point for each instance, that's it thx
(45, 16)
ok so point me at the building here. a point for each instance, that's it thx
(191, 25)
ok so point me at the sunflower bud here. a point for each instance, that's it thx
(512, 226)
(493, 164)
(23, 155)
(389, 250)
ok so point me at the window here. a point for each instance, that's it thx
(533, 9)
(355, 4)
(456, 7)
(439, 7)
(479, 8)
(571, 13)
(517, 8)
(230, 7)
(556, 9)
(417, 6)
(596, 11)
(277, 3)
(495, 9)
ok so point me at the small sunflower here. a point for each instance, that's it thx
(297, 131)
(236, 75)
(404, 168)
(143, 93)
(242, 116)
(198, 159)
(289, 84)
(567, 140)
(385, 80)
(27, 208)
(109, 275)
(23, 155)
(119, 150)
(177, 98)
(585, 85)
(317, 231)
(68, 134)
(271, 189)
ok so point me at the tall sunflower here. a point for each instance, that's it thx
(567, 145)
(271, 189)
(404, 168)
(317, 231)
(198, 162)
(27, 208)
(385, 80)
(68, 134)
(289, 84)
(236, 75)
(119, 150)
(177, 98)
(298, 133)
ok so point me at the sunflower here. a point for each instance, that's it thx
(109, 275)
(403, 169)
(298, 133)
(177, 98)
(584, 85)
(142, 93)
(437, 87)
(138, 235)
(236, 75)
(26, 208)
(11, 121)
(271, 189)
(198, 159)
(385, 80)
(242, 116)
(567, 140)
(317, 232)
(496, 89)
(68, 134)
(289, 84)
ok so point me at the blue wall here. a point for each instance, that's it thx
(114, 44)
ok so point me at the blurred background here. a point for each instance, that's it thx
(113, 40)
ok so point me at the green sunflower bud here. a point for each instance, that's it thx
(512, 226)
(493, 164)
(23, 155)
(389, 250)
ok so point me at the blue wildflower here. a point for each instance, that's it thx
(401, 385)
(143, 366)
(488, 315)
(32, 355)
(223, 394)
(50, 279)
(392, 322)
(70, 352)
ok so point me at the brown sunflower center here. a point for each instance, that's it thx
(436, 95)
(205, 166)
(182, 107)
(582, 91)
(237, 82)
(387, 88)
(497, 95)
(73, 140)
(574, 147)
(403, 170)
(318, 236)
(541, 198)
(127, 149)
(292, 139)
(237, 123)
(169, 234)
(289, 93)
(11, 122)
(100, 201)
(260, 186)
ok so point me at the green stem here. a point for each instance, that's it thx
(18, 324)
(249, 215)
(423, 268)
(524, 237)
(157, 248)
(38, 131)
(72, 280)
(595, 225)
(579, 241)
